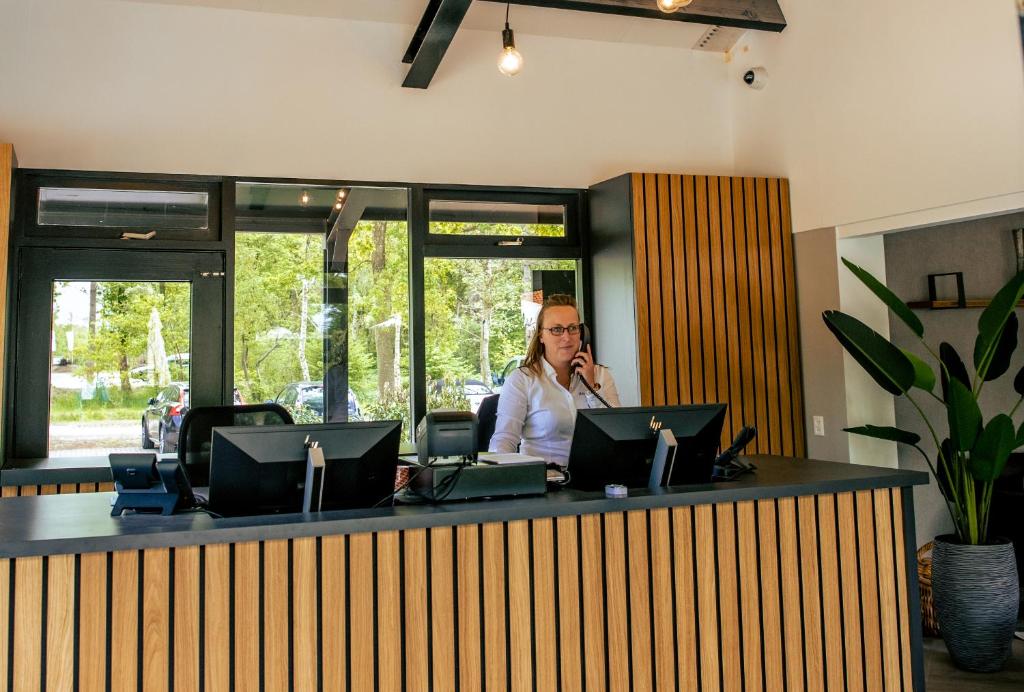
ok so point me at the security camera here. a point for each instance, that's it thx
(756, 78)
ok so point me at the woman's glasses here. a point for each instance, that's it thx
(558, 330)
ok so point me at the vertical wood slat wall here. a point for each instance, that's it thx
(749, 595)
(716, 302)
(55, 489)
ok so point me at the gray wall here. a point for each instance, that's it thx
(817, 289)
(983, 251)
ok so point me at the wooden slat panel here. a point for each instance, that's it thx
(155, 618)
(742, 335)
(718, 321)
(730, 326)
(494, 606)
(48, 490)
(830, 592)
(849, 578)
(217, 616)
(105, 487)
(901, 587)
(593, 601)
(691, 264)
(467, 542)
(5, 607)
(442, 608)
(771, 595)
(707, 588)
(686, 596)
(66, 488)
(661, 585)
(416, 632)
(768, 305)
(389, 611)
(186, 618)
(545, 635)
(643, 320)
(682, 337)
(27, 490)
(728, 597)
(750, 594)
(704, 261)
(668, 289)
(779, 319)
(124, 625)
(887, 599)
(569, 634)
(60, 622)
(615, 600)
(9, 490)
(247, 616)
(789, 570)
(333, 570)
(305, 606)
(756, 301)
(275, 615)
(28, 622)
(654, 291)
(360, 624)
(640, 635)
(796, 377)
(520, 643)
(869, 590)
(808, 536)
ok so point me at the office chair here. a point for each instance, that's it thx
(197, 430)
(487, 416)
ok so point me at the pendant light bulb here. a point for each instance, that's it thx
(510, 62)
(670, 6)
(304, 198)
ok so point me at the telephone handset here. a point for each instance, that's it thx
(584, 342)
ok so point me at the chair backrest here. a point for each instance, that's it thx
(487, 416)
(194, 440)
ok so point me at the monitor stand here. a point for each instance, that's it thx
(664, 459)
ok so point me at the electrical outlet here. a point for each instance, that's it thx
(819, 426)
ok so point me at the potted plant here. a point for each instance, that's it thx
(974, 576)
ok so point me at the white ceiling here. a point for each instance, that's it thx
(485, 16)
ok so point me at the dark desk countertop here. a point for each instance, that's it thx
(62, 524)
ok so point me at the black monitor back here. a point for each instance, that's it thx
(616, 445)
(261, 469)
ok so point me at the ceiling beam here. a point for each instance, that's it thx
(430, 42)
(759, 15)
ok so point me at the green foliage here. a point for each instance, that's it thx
(304, 415)
(973, 456)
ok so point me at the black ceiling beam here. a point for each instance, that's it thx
(759, 15)
(430, 42)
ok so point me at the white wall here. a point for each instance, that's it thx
(877, 108)
(101, 85)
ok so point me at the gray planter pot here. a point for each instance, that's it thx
(976, 591)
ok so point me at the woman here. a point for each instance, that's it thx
(537, 408)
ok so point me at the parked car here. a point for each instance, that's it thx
(161, 421)
(500, 378)
(311, 395)
(475, 391)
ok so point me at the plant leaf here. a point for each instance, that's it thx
(1018, 382)
(1020, 437)
(945, 468)
(924, 376)
(992, 449)
(951, 359)
(1000, 358)
(898, 307)
(964, 416)
(990, 324)
(886, 364)
(885, 432)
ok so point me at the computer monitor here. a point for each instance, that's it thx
(262, 469)
(616, 445)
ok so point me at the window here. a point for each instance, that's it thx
(482, 218)
(128, 209)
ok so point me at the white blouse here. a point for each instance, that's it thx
(538, 415)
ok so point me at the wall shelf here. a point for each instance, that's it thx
(952, 304)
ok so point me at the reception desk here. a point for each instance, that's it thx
(801, 576)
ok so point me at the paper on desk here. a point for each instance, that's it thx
(509, 458)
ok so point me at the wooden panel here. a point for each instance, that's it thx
(27, 490)
(60, 622)
(305, 606)
(654, 292)
(7, 164)
(9, 490)
(155, 618)
(901, 587)
(217, 617)
(887, 598)
(545, 646)
(780, 316)
(5, 607)
(684, 555)
(247, 616)
(703, 261)
(707, 599)
(105, 487)
(276, 594)
(389, 611)
(692, 312)
(870, 616)
(719, 325)
(831, 604)
(593, 601)
(640, 635)
(124, 626)
(616, 596)
(771, 595)
(333, 570)
(667, 274)
(661, 585)
(494, 656)
(807, 523)
(442, 608)
(850, 587)
(756, 301)
(467, 541)
(416, 606)
(360, 624)
(643, 312)
(732, 328)
(48, 490)
(795, 374)
(728, 597)
(679, 284)
(571, 660)
(520, 641)
(28, 625)
(768, 308)
(789, 572)
(186, 618)
(750, 594)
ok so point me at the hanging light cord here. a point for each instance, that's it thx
(507, 5)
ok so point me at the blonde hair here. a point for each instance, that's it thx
(535, 351)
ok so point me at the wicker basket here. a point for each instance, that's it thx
(929, 621)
